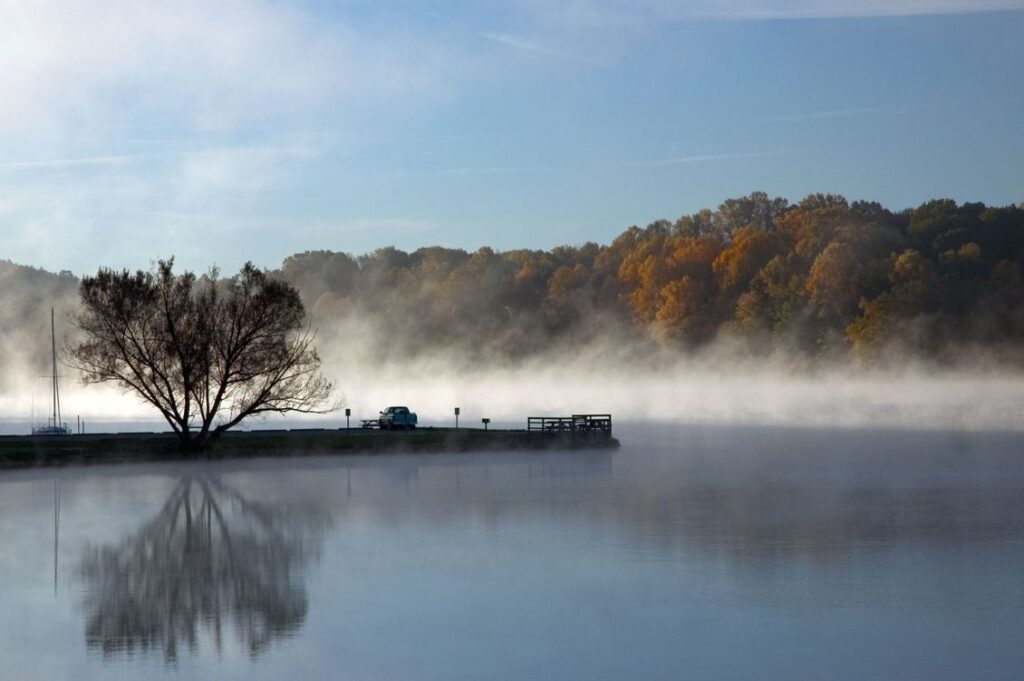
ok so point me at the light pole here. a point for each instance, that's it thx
(456, 418)
(348, 413)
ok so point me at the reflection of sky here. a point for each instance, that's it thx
(750, 553)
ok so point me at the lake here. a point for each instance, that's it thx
(697, 552)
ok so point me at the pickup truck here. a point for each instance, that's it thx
(397, 418)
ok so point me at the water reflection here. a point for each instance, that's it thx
(817, 555)
(210, 560)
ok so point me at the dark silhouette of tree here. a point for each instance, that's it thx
(756, 210)
(206, 352)
(209, 561)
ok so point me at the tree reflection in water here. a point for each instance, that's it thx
(209, 559)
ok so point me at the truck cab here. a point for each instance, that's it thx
(397, 418)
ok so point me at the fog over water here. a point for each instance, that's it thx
(698, 552)
(704, 391)
(694, 392)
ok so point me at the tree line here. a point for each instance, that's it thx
(824, 277)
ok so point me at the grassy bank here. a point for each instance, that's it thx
(30, 451)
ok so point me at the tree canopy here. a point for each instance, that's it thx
(824, 277)
(205, 352)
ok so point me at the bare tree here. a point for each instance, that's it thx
(206, 352)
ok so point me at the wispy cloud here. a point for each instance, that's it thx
(197, 203)
(308, 229)
(840, 113)
(460, 172)
(702, 158)
(58, 163)
(612, 16)
(838, 9)
(209, 65)
(890, 109)
(520, 43)
(609, 14)
(120, 159)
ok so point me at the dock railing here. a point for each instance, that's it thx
(589, 424)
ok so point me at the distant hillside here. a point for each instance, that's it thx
(822, 278)
(26, 296)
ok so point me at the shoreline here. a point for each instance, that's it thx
(36, 451)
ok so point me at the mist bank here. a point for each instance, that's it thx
(702, 390)
(689, 391)
(821, 312)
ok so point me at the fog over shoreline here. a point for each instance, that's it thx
(686, 391)
(822, 312)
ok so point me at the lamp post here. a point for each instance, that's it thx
(348, 413)
(456, 418)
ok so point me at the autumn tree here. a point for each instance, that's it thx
(901, 310)
(757, 210)
(819, 276)
(205, 352)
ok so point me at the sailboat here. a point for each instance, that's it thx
(55, 425)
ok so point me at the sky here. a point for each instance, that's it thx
(253, 129)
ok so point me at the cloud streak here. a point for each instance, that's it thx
(702, 158)
(530, 46)
(619, 14)
(59, 163)
(841, 113)
(838, 9)
(459, 172)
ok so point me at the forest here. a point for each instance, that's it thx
(822, 279)
(825, 278)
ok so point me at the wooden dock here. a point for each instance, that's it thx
(599, 424)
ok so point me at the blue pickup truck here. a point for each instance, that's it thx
(397, 418)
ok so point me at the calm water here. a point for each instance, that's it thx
(698, 553)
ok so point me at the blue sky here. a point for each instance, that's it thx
(244, 129)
